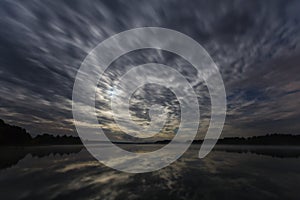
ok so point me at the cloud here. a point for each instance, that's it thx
(255, 44)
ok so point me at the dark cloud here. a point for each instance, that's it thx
(254, 43)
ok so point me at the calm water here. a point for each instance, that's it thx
(226, 173)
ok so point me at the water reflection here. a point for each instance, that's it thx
(10, 156)
(229, 172)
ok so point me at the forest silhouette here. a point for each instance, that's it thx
(16, 136)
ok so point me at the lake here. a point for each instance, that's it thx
(228, 172)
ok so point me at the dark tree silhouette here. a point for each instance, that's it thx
(17, 136)
(13, 135)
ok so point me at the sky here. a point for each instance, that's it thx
(255, 45)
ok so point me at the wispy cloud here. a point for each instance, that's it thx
(254, 43)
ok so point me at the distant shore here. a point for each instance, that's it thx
(17, 136)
